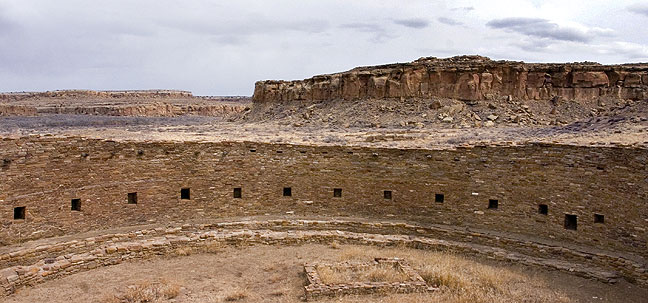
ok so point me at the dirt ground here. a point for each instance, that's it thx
(598, 131)
(275, 274)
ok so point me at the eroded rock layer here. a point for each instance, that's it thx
(17, 110)
(469, 78)
(85, 94)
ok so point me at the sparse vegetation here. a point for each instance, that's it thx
(459, 279)
(378, 273)
(182, 251)
(275, 274)
(146, 292)
(236, 295)
(212, 247)
(335, 245)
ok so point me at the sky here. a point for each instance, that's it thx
(214, 47)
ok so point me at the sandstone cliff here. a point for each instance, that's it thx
(90, 94)
(468, 78)
(17, 110)
(154, 103)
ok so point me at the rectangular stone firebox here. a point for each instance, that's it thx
(317, 288)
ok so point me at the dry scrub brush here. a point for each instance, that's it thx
(377, 273)
(146, 292)
(459, 279)
(236, 295)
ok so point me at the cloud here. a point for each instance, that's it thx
(465, 8)
(639, 8)
(413, 23)
(449, 21)
(532, 45)
(545, 29)
(379, 33)
(364, 27)
(222, 47)
(6, 24)
(628, 49)
(232, 28)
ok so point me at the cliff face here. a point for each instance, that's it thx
(467, 78)
(17, 110)
(154, 103)
(90, 94)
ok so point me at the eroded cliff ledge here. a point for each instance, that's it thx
(142, 103)
(468, 78)
(91, 94)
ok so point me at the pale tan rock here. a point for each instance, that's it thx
(467, 78)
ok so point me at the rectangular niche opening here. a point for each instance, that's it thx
(132, 198)
(439, 198)
(387, 194)
(571, 222)
(238, 193)
(543, 209)
(287, 192)
(185, 194)
(19, 212)
(76, 205)
(493, 204)
(598, 218)
(337, 193)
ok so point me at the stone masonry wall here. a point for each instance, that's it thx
(44, 175)
(66, 258)
(467, 78)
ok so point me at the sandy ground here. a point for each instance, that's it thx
(599, 132)
(273, 274)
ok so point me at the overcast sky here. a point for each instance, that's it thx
(223, 47)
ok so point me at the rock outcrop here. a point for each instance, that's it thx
(17, 110)
(90, 94)
(468, 78)
(151, 110)
(153, 103)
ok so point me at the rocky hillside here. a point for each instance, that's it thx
(467, 78)
(443, 112)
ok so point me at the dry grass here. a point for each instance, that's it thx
(276, 274)
(182, 251)
(335, 245)
(377, 273)
(210, 248)
(146, 292)
(459, 279)
(236, 295)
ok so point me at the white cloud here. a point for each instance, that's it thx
(222, 47)
(449, 21)
(413, 22)
(639, 8)
(546, 29)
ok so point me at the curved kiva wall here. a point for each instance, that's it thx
(599, 191)
(26, 266)
(466, 78)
